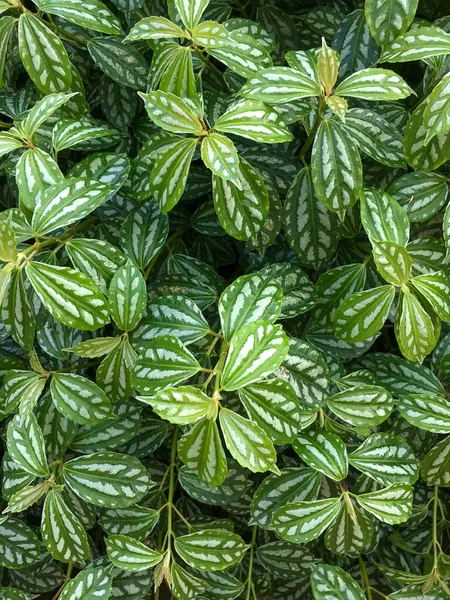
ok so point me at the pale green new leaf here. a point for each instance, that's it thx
(333, 582)
(42, 110)
(363, 405)
(164, 362)
(131, 555)
(220, 156)
(324, 452)
(247, 442)
(191, 11)
(182, 405)
(62, 532)
(9, 142)
(153, 28)
(43, 55)
(26, 446)
(414, 328)
(374, 84)
(211, 549)
(127, 297)
(301, 522)
(426, 411)
(363, 314)
(256, 350)
(279, 85)
(95, 347)
(69, 296)
(435, 288)
(26, 497)
(392, 504)
(387, 459)
(383, 218)
(392, 261)
(79, 399)
(35, 172)
(171, 113)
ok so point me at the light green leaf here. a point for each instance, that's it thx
(26, 497)
(67, 201)
(211, 34)
(95, 347)
(191, 12)
(114, 372)
(279, 85)
(6, 28)
(35, 172)
(90, 584)
(392, 504)
(220, 156)
(374, 84)
(435, 288)
(414, 328)
(333, 582)
(242, 211)
(62, 532)
(256, 350)
(417, 44)
(301, 522)
(363, 405)
(107, 479)
(69, 133)
(324, 452)
(272, 405)
(248, 299)
(363, 314)
(91, 14)
(171, 113)
(127, 297)
(131, 555)
(383, 218)
(9, 142)
(164, 362)
(26, 446)
(336, 168)
(79, 399)
(387, 459)
(153, 28)
(202, 452)
(19, 545)
(435, 468)
(211, 549)
(42, 110)
(182, 405)
(426, 411)
(43, 55)
(22, 388)
(247, 442)
(392, 261)
(242, 53)
(435, 117)
(170, 171)
(69, 296)
(255, 121)
(184, 584)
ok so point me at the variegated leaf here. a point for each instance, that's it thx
(426, 411)
(419, 43)
(131, 555)
(374, 84)
(279, 85)
(181, 405)
(392, 504)
(414, 328)
(211, 549)
(26, 446)
(324, 452)
(220, 156)
(301, 522)
(79, 399)
(363, 405)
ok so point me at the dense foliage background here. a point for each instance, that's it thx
(225, 355)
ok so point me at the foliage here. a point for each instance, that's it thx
(225, 297)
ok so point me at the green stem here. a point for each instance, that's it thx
(207, 62)
(250, 563)
(172, 486)
(173, 237)
(66, 581)
(312, 133)
(435, 541)
(365, 578)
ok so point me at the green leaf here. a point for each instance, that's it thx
(256, 350)
(311, 230)
(417, 44)
(91, 14)
(35, 172)
(247, 442)
(6, 29)
(333, 582)
(8, 143)
(19, 545)
(307, 372)
(153, 28)
(279, 85)
(67, 201)
(212, 34)
(184, 584)
(131, 555)
(392, 504)
(383, 218)
(143, 233)
(202, 452)
(127, 297)
(284, 559)
(363, 314)
(164, 362)
(363, 405)
(136, 521)
(23, 389)
(43, 55)
(374, 84)
(191, 12)
(109, 168)
(435, 468)
(301, 522)
(426, 411)
(182, 405)
(351, 533)
(233, 487)
(170, 171)
(96, 347)
(26, 497)
(119, 61)
(17, 312)
(255, 121)
(241, 211)
(414, 328)
(389, 19)
(173, 315)
(79, 399)
(107, 479)
(242, 53)
(421, 194)
(324, 452)
(69, 133)
(435, 288)
(62, 532)
(294, 484)
(171, 113)
(435, 117)
(387, 459)
(392, 261)
(299, 294)
(336, 168)
(211, 549)
(25, 443)
(356, 47)
(114, 372)
(220, 156)
(42, 110)
(248, 299)
(272, 405)
(69, 296)
(89, 584)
